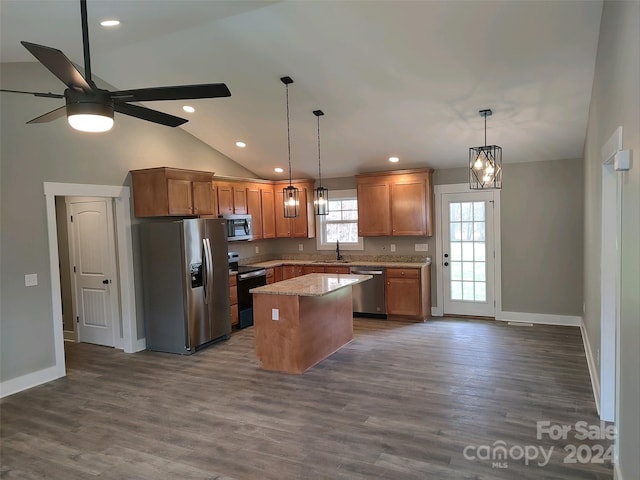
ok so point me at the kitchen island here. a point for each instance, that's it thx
(301, 321)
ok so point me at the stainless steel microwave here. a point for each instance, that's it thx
(239, 227)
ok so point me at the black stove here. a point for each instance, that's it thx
(248, 277)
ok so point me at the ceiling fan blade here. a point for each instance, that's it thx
(149, 115)
(52, 115)
(37, 94)
(59, 65)
(180, 92)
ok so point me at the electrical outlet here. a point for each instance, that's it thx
(275, 314)
(257, 249)
(300, 247)
(393, 247)
(31, 280)
(422, 247)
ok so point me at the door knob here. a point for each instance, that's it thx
(106, 282)
(446, 255)
(446, 264)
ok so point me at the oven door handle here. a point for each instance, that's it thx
(257, 273)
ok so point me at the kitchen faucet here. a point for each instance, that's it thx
(338, 256)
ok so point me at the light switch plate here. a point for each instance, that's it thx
(422, 247)
(275, 314)
(393, 247)
(300, 246)
(257, 249)
(31, 280)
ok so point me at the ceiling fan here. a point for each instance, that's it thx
(89, 108)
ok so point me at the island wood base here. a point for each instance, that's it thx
(308, 331)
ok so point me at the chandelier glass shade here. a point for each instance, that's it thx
(485, 163)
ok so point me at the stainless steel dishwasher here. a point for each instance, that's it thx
(369, 297)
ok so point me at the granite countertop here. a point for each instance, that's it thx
(311, 285)
(334, 263)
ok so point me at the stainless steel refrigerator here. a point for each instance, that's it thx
(185, 284)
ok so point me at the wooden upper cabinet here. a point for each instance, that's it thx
(254, 208)
(165, 191)
(374, 208)
(232, 197)
(398, 203)
(268, 211)
(302, 226)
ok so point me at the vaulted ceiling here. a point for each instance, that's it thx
(392, 77)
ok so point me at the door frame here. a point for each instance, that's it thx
(116, 322)
(124, 259)
(439, 190)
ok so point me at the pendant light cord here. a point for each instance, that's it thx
(485, 129)
(319, 170)
(288, 135)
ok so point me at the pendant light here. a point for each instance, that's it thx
(290, 194)
(485, 163)
(320, 194)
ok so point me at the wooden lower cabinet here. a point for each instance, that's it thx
(277, 274)
(312, 269)
(270, 272)
(333, 269)
(408, 293)
(292, 271)
(233, 299)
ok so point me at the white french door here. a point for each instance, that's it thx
(468, 258)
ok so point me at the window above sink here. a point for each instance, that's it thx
(341, 224)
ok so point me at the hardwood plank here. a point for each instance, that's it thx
(401, 400)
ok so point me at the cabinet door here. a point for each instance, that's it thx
(225, 199)
(270, 275)
(277, 274)
(374, 210)
(283, 225)
(239, 199)
(409, 208)
(202, 198)
(254, 208)
(300, 224)
(403, 296)
(268, 213)
(288, 271)
(179, 196)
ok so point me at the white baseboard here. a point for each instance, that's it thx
(141, 344)
(437, 312)
(592, 364)
(539, 318)
(617, 473)
(29, 380)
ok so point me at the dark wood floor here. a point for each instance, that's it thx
(402, 401)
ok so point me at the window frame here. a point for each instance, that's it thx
(321, 221)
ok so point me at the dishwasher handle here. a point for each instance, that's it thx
(368, 272)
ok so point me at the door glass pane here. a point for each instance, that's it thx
(456, 290)
(467, 247)
(456, 251)
(456, 270)
(454, 212)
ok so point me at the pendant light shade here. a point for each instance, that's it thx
(290, 194)
(485, 163)
(320, 194)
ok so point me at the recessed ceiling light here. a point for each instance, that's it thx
(110, 23)
(188, 109)
(241, 144)
(394, 159)
(278, 170)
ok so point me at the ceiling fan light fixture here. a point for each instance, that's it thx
(90, 117)
(485, 162)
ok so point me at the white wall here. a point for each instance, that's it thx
(33, 154)
(615, 101)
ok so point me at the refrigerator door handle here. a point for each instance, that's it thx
(207, 273)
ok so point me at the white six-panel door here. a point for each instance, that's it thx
(468, 253)
(93, 269)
